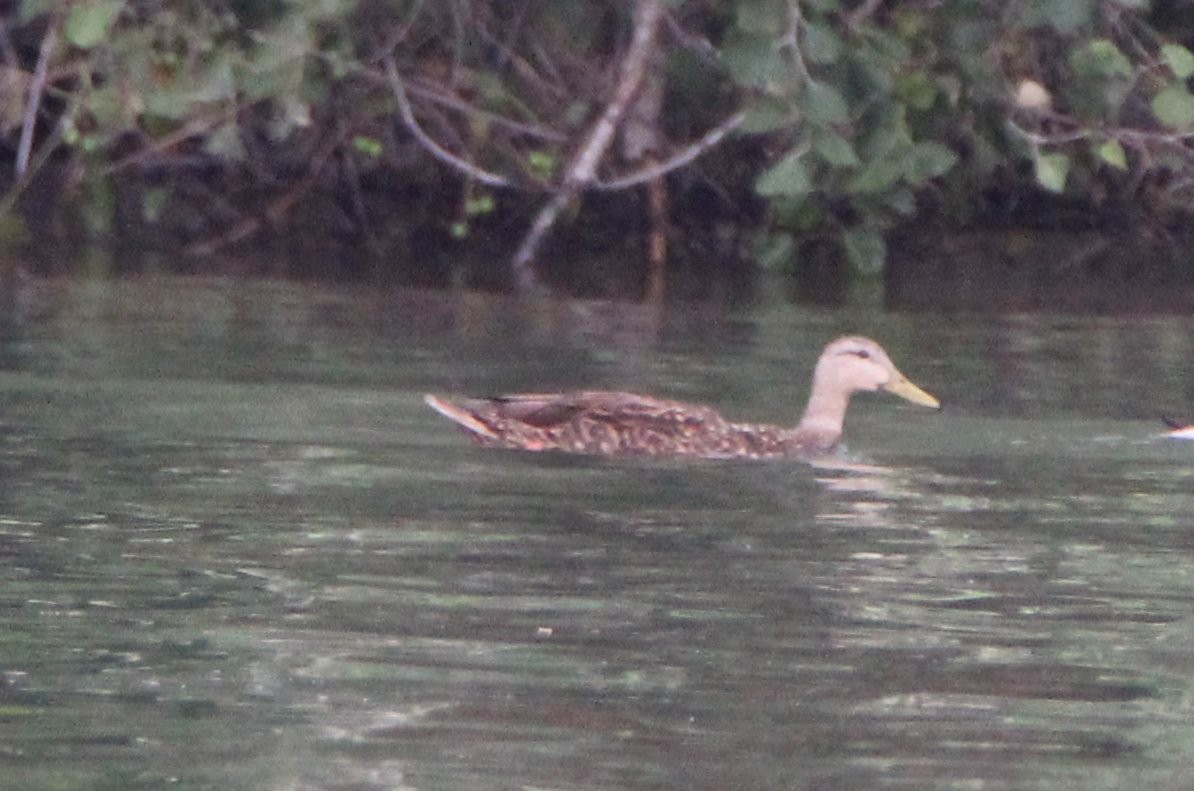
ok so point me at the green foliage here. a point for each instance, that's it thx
(88, 23)
(1100, 57)
(1179, 59)
(1052, 170)
(1174, 107)
(752, 61)
(835, 150)
(1063, 16)
(772, 251)
(874, 111)
(854, 111)
(1098, 83)
(861, 106)
(865, 250)
(1112, 152)
(788, 178)
(542, 164)
(369, 146)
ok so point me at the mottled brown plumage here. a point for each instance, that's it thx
(612, 423)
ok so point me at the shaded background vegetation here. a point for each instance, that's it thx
(419, 141)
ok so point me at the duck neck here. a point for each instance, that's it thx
(825, 414)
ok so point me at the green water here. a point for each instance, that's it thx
(236, 551)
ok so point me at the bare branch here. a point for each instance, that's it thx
(425, 91)
(279, 207)
(583, 168)
(192, 128)
(677, 160)
(791, 39)
(1057, 138)
(408, 117)
(36, 88)
(1123, 134)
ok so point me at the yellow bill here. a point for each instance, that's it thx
(900, 386)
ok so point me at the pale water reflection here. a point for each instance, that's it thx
(236, 551)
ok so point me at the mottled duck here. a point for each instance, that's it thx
(612, 423)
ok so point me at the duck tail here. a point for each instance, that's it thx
(461, 416)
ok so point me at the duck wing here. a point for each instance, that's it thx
(548, 410)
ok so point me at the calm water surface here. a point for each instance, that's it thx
(236, 551)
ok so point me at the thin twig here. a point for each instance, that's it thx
(433, 92)
(277, 209)
(791, 39)
(1138, 136)
(36, 88)
(352, 176)
(423, 91)
(192, 128)
(395, 36)
(408, 118)
(1038, 139)
(678, 160)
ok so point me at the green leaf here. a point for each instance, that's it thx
(762, 17)
(751, 61)
(87, 24)
(788, 177)
(836, 150)
(767, 115)
(367, 145)
(823, 105)
(801, 214)
(909, 22)
(928, 160)
(1174, 107)
(773, 250)
(888, 131)
(1052, 170)
(879, 173)
(543, 164)
(886, 46)
(1100, 58)
(821, 43)
(901, 200)
(31, 9)
(154, 202)
(1064, 16)
(1111, 152)
(480, 204)
(865, 250)
(225, 143)
(916, 89)
(174, 105)
(1180, 59)
(217, 82)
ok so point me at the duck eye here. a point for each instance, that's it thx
(863, 353)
